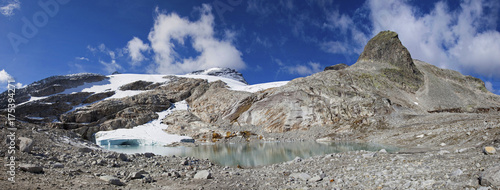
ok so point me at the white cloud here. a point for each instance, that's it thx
(103, 51)
(8, 10)
(464, 39)
(91, 49)
(82, 58)
(5, 77)
(135, 47)
(354, 39)
(335, 47)
(212, 52)
(111, 66)
(303, 70)
(489, 86)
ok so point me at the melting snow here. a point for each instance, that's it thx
(148, 134)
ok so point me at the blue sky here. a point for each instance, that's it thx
(264, 40)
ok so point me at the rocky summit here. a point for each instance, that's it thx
(446, 126)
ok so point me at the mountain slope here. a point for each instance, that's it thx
(385, 89)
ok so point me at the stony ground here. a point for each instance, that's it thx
(448, 156)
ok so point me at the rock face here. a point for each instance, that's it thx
(386, 47)
(379, 91)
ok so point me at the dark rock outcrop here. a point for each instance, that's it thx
(386, 47)
(336, 67)
(140, 85)
(50, 86)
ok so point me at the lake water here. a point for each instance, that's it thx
(251, 154)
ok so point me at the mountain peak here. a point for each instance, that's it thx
(221, 72)
(386, 47)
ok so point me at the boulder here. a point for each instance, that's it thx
(84, 150)
(149, 154)
(490, 177)
(137, 175)
(489, 150)
(112, 180)
(25, 144)
(31, 168)
(123, 157)
(58, 165)
(203, 174)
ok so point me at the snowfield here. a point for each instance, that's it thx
(149, 134)
(152, 133)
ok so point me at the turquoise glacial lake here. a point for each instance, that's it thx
(251, 154)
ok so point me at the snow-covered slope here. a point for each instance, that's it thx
(222, 72)
(151, 133)
(116, 81)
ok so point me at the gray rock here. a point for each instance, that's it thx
(123, 157)
(25, 144)
(457, 172)
(149, 154)
(187, 140)
(302, 176)
(147, 179)
(316, 179)
(58, 165)
(112, 180)
(85, 150)
(297, 159)
(490, 177)
(31, 168)
(137, 175)
(203, 174)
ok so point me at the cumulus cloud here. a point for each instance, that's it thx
(135, 47)
(171, 28)
(464, 39)
(303, 70)
(5, 77)
(8, 9)
(489, 86)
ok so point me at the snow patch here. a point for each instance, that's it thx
(149, 134)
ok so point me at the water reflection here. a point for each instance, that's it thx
(252, 154)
